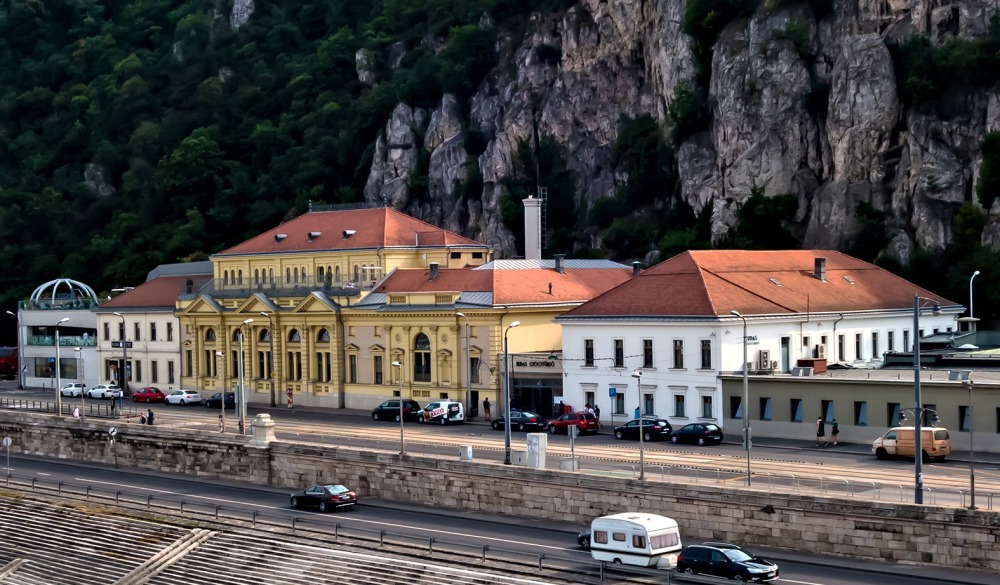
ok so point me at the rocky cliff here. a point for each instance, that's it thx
(625, 58)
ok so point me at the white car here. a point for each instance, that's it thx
(184, 397)
(72, 389)
(104, 391)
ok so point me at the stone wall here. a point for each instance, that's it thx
(951, 537)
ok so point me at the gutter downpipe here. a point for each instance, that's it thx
(801, 323)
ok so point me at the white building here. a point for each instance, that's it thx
(675, 323)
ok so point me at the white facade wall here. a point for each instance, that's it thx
(691, 392)
(145, 352)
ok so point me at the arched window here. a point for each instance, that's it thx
(225, 277)
(323, 336)
(421, 358)
(293, 336)
(288, 276)
(319, 274)
(240, 277)
(236, 334)
(305, 280)
(256, 276)
(270, 275)
(265, 335)
(295, 273)
(210, 335)
(356, 272)
(336, 274)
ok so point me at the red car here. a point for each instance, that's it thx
(587, 423)
(148, 394)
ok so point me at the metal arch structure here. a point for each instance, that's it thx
(50, 291)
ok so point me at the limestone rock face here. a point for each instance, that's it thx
(798, 106)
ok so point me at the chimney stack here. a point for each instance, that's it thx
(819, 269)
(434, 270)
(559, 263)
(636, 268)
(533, 228)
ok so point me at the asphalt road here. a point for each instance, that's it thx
(531, 536)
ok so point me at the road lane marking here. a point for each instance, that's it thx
(359, 520)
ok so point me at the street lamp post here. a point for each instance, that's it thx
(271, 336)
(20, 353)
(79, 368)
(746, 395)
(918, 410)
(58, 373)
(243, 390)
(399, 374)
(468, 371)
(222, 415)
(972, 315)
(642, 461)
(506, 396)
(123, 376)
(972, 449)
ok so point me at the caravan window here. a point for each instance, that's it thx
(618, 536)
(668, 540)
(601, 537)
(638, 541)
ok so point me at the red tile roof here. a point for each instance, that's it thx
(161, 292)
(373, 228)
(511, 287)
(715, 282)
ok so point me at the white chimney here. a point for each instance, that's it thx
(533, 228)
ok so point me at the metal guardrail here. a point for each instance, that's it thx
(598, 571)
(93, 407)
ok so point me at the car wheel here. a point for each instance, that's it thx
(617, 561)
(183, 403)
(689, 571)
(397, 418)
(618, 434)
(741, 578)
(701, 441)
(647, 437)
(295, 502)
(881, 454)
(444, 421)
(374, 416)
(673, 440)
(552, 430)
(520, 426)
(322, 506)
(585, 543)
(495, 425)
(926, 458)
(420, 418)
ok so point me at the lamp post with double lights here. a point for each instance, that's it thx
(271, 338)
(746, 395)
(399, 374)
(123, 376)
(972, 450)
(79, 369)
(506, 395)
(222, 415)
(918, 409)
(642, 461)
(20, 353)
(972, 315)
(243, 390)
(59, 373)
(468, 368)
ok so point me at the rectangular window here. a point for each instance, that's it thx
(620, 402)
(619, 353)
(152, 331)
(678, 353)
(827, 407)
(964, 413)
(647, 404)
(588, 352)
(858, 355)
(121, 331)
(154, 375)
(805, 344)
(170, 331)
(795, 408)
(107, 332)
(588, 398)
(893, 414)
(736, 407)
(352, 369)
(138, 371)
(422, 366)
(891, 345)
(647, 353)
(138, 331)
(679, 406)
(188, 363)
(861, 414)
(327, 367)
(601, 536)
(378, 369)
(765, 408)
(170, 372)
(906, 340)
(840, 347)
(706, 354)
(618, 536)
(706, 407)
(638, 541)
(875, 352)
(474, 369)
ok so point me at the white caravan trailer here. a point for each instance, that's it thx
(636, 538)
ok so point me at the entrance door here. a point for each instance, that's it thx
(785, 348)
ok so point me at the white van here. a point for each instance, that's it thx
(636, 538)
(442, 412)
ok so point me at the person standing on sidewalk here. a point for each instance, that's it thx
(486, 408)
(820, 431)
(835, 431)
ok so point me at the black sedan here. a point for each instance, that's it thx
(324, 497)
(729, 561)
(216, 400)
(698, 434)
(653, 429)
(521, 420)
(583, 539)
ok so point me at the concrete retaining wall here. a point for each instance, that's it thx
(951, 537)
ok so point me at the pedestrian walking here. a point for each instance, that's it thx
(835, 431)
(637, 413)
(486, 408)
(112, 407)
(149, 416)
(597, 413)
(588, 409)
(76, 412)
(820, 431)
(562, 409)
(222, 424)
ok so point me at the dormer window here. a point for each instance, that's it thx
(314, 235)
(279, 237)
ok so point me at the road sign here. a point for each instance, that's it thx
(118, 344)
(612, 392)
(7, 441)
(112, 431)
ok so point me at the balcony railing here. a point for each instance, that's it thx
(64, 340)
(58, 304)
(279, 287)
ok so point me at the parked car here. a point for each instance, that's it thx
(389, 410)
(585, 422)
(215, 400)
(521, 420)
(72, 389)
(653, 429)
(324, 497)
(149, 394)
(725, 560)
(104, 391)
(698, 433)
(184, 397)
(442, 412)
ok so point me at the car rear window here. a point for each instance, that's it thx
(589, 417)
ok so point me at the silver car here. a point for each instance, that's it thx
(72, 389)
(104, 391)
(184, 397)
